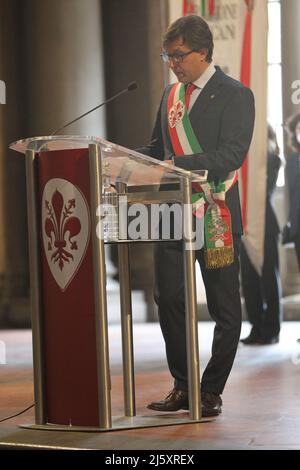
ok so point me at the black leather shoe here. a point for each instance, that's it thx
(176, 400)
(253, 338)
(211, 404)
(269, 339)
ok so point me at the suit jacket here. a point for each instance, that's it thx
(222, 118)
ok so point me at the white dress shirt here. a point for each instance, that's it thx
(201, 82)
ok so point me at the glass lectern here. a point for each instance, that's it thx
(78, 189)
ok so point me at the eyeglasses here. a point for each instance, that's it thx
(175, 58)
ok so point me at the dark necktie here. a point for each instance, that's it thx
(189, 90)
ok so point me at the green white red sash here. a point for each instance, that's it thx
(218, 244)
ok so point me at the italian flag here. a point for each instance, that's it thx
(205, 7)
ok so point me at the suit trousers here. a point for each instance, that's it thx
(224, 305)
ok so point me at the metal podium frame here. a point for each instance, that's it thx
(183, 196)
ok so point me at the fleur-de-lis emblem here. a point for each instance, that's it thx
(66, 229)
(176, 113)
(61, 227)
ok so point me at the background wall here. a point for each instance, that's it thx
(58, 59)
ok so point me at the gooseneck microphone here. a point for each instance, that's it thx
(130, 87)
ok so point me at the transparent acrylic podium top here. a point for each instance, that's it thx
(120, 163)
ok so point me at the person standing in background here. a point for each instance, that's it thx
(293, 179)
(262, 293)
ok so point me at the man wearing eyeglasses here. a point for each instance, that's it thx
(205, 121)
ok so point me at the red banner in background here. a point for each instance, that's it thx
(246, 80)
(188, 7)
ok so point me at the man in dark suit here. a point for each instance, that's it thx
(220, 111)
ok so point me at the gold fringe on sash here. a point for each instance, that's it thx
(219, 257)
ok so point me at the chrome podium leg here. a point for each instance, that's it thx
(126, 323)
(191, 305)
(103, 371)
(35, 290)
(127, 332)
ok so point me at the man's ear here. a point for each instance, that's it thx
(203, 54)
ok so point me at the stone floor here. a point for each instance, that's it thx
(261, 400)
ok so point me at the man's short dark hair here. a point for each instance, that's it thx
(194, 32)
(290, 127)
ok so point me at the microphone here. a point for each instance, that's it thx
(130, 87)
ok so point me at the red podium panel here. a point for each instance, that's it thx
(68, 292)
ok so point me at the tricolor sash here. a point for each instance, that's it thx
(218, 244)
